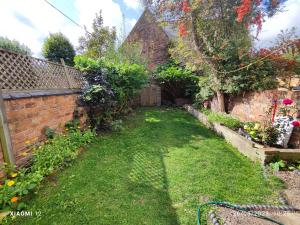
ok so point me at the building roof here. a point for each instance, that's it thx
(169, 30)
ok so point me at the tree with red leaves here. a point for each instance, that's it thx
(218, 30)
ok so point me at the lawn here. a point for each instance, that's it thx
(155, 172)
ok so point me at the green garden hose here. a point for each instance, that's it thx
(234, 207)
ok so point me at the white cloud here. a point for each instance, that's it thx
(40, 21)
(87, 9)
(134, 4)
(31, 21)
(290, 17)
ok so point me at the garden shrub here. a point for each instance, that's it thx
(177, 80)
(263, 132)
(111, 87)
(49, 132)
(47, 158)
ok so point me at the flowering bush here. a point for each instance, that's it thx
(54, 154)
(263, 132)
(287, 108)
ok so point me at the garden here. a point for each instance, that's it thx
(127, 164)
(157, 169)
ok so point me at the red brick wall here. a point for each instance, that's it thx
(252, 106)
(27, 118)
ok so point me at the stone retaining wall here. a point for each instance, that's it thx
(252, 150)
(252, 106)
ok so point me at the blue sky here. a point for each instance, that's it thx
(31, 21)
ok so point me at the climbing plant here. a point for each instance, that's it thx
(177, 81)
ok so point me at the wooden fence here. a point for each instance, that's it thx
(21, 72)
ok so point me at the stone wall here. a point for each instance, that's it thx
(153, 39)
(253, 106)
(252, 150)
(28, 116)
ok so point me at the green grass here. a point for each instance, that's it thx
(156, 171)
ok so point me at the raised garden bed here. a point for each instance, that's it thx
(252, 150)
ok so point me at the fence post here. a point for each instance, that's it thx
(66, 72)
(5, 138)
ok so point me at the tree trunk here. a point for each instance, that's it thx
(221, 101)
(199, 49)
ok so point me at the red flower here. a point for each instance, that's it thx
(243, 10)
(287, 101)
(186, 6)
(182, 30)
(296, 123)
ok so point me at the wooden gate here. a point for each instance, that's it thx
(151, 95)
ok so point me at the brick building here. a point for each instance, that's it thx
(153, 38)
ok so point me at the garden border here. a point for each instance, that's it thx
(252, 150)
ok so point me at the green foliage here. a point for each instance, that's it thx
(95, 43)
(262, 132)
(126, 53)
(205, 89)
(278, 164)
(47, 158)
(56, 47)
(117, 125)
(49, 132)
(72, 125)
(95, 94)
(112, 86)
(15, 46)
(224, 119)
(126, 80)
(177, 80)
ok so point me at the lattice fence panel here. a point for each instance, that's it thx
(76, 78)
(21, 72)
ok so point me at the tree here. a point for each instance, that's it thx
(218, 31)
(94, 44)
(57, 47)
(15, 46)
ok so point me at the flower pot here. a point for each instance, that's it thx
(284, 125)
